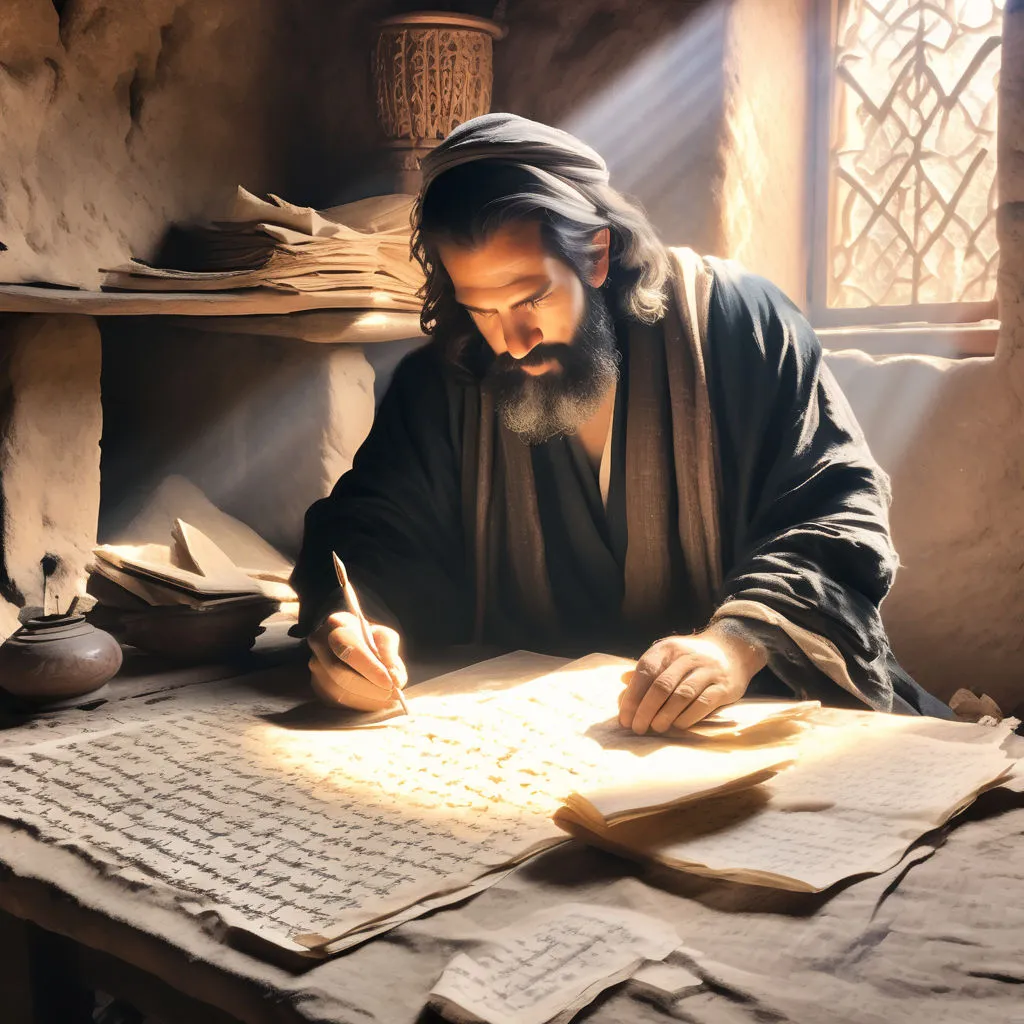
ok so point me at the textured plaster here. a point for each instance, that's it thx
(120, 117)
(49, 453)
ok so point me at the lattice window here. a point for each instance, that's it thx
(912, 182)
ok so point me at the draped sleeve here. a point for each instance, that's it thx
(805, 532)
(395, 517)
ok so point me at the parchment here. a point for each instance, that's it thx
(551, 965)
(865, 787)
(317, 838)
(749, 716)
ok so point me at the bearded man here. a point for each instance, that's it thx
(607, 445)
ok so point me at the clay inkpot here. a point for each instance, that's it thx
(56, 659)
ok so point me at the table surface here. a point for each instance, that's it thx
(938, 938)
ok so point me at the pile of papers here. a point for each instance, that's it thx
(359, 253)
(192, 572)
(302, 839)
(859, 789)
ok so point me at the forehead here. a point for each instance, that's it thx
(514, 252)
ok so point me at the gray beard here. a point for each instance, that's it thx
(559, 402)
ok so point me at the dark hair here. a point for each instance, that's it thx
(468, 203)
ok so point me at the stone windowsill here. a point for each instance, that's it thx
(951, 341)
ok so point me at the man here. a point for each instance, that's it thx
(608, 445)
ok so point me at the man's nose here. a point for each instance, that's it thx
(521, 336)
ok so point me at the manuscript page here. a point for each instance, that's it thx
(308, 837)
(551, 965)
(865, 787)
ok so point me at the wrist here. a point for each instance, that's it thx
(746, 651)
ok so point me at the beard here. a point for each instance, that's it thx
(560, 401)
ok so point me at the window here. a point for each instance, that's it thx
(906, 175)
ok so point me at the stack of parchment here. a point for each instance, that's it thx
(359, 253)
(861, 787)
(185, 600)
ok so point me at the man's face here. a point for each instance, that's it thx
(551, 333)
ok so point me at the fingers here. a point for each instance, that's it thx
(672, 681)
(388, 643)
(692, 688)
(710, 699)
(345, 669)
(648, 668)
(346, 643)
(342, 686)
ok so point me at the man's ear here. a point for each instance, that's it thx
(602, 244)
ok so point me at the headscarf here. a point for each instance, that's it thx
(569, 168)
(517, 140)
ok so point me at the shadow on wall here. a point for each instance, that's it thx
(263, 426)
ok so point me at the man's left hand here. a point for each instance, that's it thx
(682, 679)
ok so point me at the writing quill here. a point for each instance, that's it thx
(352, 599)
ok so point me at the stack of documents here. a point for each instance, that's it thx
(860, 788)
(192, 572)
(359, 253)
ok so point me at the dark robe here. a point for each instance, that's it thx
(802, 514)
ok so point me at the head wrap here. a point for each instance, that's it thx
(547, 152)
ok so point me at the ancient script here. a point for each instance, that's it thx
(864, 788)
(312, 839)
(551, 965)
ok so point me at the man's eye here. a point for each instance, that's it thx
(481, 312)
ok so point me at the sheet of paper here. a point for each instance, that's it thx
(865, 787)
(124, 556)
(313, 835)
(681, 777)
(551, 965)
(748, 715)
(193, 546)
(290, 832)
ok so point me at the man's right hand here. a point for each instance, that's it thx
(344, 671)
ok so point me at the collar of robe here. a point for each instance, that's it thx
(671, 465)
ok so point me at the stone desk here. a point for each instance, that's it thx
(938, 938)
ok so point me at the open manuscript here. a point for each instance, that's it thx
(310, 840)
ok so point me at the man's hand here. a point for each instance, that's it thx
(682, 679)
(343, 669)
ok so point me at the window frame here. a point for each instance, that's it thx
(952, 316)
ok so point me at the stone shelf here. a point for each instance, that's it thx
(309, 316)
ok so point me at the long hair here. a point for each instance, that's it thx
(468, 203)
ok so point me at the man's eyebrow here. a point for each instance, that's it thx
(532, 297)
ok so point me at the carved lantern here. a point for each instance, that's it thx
(431, 71)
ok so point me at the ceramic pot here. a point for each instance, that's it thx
(432, 71)
(57, 658)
